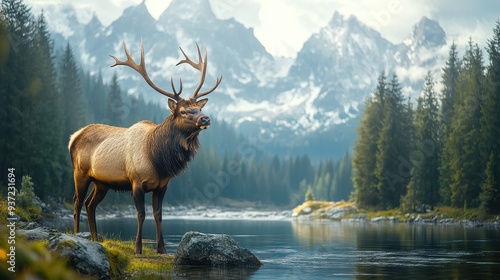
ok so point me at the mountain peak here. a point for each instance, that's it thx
(139, 10)
(134, 17)
(94, 21)
(337, 19)
(349, 24)
(188, 10)
(428, 33)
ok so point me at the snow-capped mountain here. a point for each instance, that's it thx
(310, 101)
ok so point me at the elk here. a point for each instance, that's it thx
(142, 158)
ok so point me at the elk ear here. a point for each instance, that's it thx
(172, 105)
(201, 103)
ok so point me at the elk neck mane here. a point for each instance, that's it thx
(171, 148)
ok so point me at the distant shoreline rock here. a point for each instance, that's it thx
(349, 212)
(324, 210)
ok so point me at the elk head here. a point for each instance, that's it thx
(186, 112)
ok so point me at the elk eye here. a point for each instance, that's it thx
(183, 112)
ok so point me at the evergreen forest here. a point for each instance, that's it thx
(443, 150)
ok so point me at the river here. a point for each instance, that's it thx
(335, 250)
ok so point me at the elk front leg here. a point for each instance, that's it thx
(157, 213)
(81, 187)
(138, 195)
(96, 196)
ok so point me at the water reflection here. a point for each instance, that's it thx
(402, 250)
(321, 233)
(215, 273)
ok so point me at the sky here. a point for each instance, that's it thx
(282, 26)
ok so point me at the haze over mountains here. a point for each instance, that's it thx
(310, 103)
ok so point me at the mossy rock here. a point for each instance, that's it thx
(86, 257)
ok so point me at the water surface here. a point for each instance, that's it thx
(336, 250)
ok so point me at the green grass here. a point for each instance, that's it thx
(457, 213)
(384, 213)
(148, 265)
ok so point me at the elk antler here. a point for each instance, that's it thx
(202, 67)
(141, 69)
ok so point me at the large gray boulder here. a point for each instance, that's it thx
(218, 250)
(86, 257)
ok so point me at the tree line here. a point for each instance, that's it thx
(446, 151)
(45, 97)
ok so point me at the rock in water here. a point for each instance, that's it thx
(222, 250)
(87, 257)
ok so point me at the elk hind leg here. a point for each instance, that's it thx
(96, 196)
(81, 187)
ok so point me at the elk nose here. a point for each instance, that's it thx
(205, 120)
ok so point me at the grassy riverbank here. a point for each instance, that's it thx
(34, 260)
(124, 263)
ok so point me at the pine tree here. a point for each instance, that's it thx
(49, 150)
(462, 147)
(71, 89)
(424, 184)
(449, 90)
(490, 203)
(115, 105)
(99, 99)
(364, 160)
(449, 80)
(342, 186)
(393, 145)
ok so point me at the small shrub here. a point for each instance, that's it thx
(27, 200)
(309, 194)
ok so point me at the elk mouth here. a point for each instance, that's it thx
(203, 123)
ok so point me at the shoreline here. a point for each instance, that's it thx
(318, 211)
(348, 212)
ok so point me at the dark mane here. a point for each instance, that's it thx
(170, 148)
